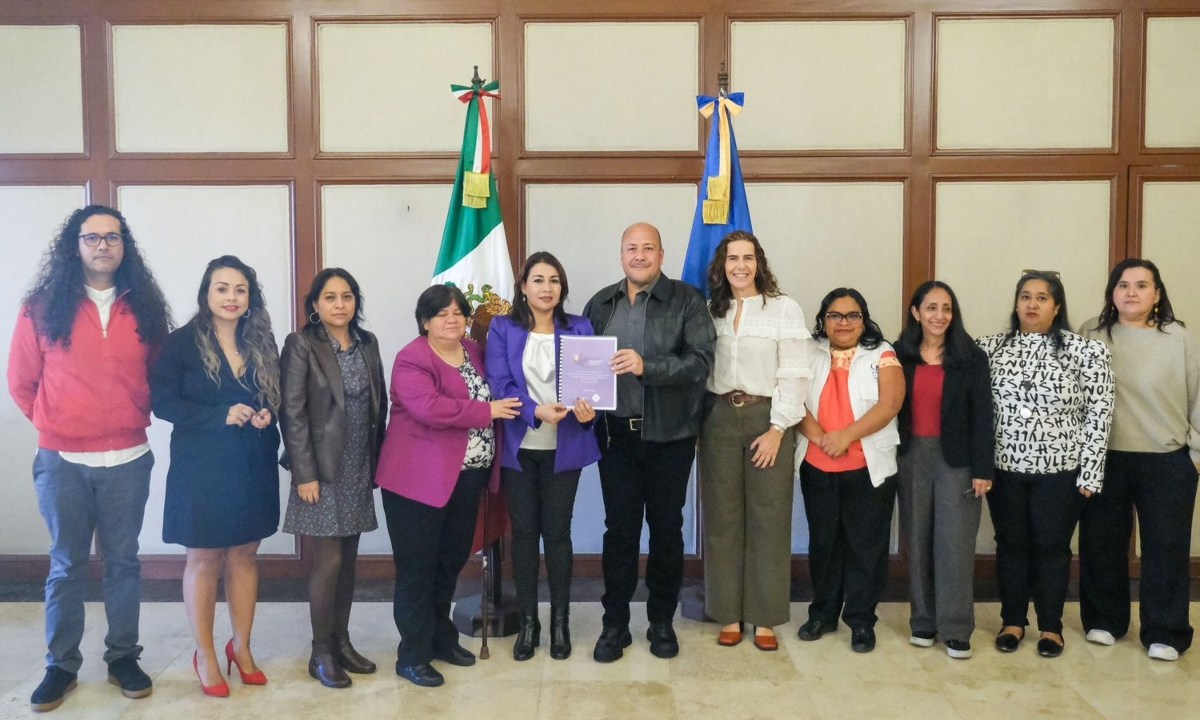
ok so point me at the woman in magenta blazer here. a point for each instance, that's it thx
(544, 448)
(439, 452)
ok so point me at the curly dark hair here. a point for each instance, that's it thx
(1162, 314)
(521, 312)
(718, 284)
(872, 336)
(54, 298)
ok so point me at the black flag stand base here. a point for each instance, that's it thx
(504, 617)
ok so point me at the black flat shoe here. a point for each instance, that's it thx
(423, 674)
(455, 655)
(862, 639)
(814, 629)
(1007, 642)
(1048, 648)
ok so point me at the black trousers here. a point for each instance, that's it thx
(430, 546)
(849, 524)
(1034, 516)
(540, 503)
(1162, 488)
(650, 479)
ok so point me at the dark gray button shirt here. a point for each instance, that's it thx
(628, 324)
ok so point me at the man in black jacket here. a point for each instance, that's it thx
(665, 339)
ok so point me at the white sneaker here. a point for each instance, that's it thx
(1160, 651)
(1100, 637)
(922, 639)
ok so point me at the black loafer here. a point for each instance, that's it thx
(814, 629)
(54, 686)
(127, 675)
(1046, 647)
(423, 674)
(663, 641)
(610, 646)
(1007, 642)
(455, 655)
(862, 639)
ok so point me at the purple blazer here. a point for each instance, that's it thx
(577, 445)
(426, 439)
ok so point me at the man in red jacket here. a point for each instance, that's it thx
(78, 369)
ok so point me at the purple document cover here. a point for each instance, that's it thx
(584, 372)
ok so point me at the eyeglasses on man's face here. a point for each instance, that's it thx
(93, 239)
(833, 318)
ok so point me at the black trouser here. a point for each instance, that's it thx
(1034, 516)
(849, 525)
(430, 546)
(1162, 487)
(642, 478)
(331, 585)
(540, 503)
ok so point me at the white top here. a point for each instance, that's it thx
(541, 377)
(107, 458)
(768, 355)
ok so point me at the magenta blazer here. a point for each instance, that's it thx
(426, 438)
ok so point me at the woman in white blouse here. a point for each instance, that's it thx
(759, 380)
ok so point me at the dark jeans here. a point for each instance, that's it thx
(430, 546)
(849, 525)
(1034, 516)
(540, 503)
(639, 479)
(1162, 487)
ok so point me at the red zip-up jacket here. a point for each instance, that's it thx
(91, 397)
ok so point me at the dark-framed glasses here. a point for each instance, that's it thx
(93, 239)
(833, 318)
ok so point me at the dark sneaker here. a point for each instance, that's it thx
(125, 674)
(958, 649)
(922, 638)
(49, 694)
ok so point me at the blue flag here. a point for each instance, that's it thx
(721, 204)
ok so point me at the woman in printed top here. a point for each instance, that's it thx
(1052, 391)
(760, 379)
(544, 448)
(1153, 455)
(947, 451)
(847, 476)
(218, 384)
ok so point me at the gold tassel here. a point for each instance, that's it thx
(716, 212)
(718, 187)
(474, 201)
(477, 188)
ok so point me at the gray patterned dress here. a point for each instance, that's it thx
(346, 507)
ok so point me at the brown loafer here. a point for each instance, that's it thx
(766, 642)
(729, 638)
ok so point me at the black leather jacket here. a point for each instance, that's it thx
(677, 359)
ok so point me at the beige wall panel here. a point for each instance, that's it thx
(611, 86)
(988, 232)
(1173, 82)
(820, 85)
(384, 87)
(1171, 238)
(387, 237)
(182, 228)
(1025, 83)
(201, 88)
(582, 226)
(32, 216)
(41, 89)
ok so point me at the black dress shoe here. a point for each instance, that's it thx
(349, 658)
(610, 645)
(455, 655)
(663, 642)
(560, 633)
(529, 636)
(1007, 642)
(862, 639)
(1047, 647)
(323, 668)
(814, 629)
(423, 674)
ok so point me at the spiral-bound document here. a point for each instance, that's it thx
(584, 371)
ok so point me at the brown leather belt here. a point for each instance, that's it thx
(738, 399)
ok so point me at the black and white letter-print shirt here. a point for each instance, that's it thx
(1053, 406)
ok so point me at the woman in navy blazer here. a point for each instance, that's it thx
(437, 455)
(544, 448)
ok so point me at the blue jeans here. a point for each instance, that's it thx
(77, 501)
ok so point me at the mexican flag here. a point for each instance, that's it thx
(474, 255)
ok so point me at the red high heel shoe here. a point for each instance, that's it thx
(220, 690)
(258, 677)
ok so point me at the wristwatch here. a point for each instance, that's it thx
(778, 428)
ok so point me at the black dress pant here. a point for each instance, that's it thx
(650, 479)
(540, 503)
(430, 546)
(1162, 488)
(1034, 516)
(849, 525)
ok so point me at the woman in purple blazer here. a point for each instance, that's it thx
(545, 446)
(439, 452)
